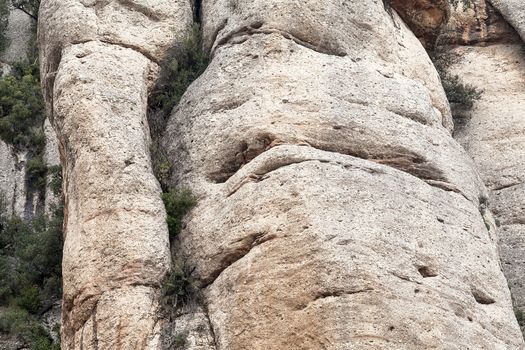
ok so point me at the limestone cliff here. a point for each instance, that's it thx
(335, 208)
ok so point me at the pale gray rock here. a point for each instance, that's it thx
(52, 159)
(494, 135)
(19, 33)
(335, 209)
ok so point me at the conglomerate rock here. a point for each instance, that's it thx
(335, 209)
(99, 60)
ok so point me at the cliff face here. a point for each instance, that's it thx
(335, 209)
(13, 187)
(493, 133)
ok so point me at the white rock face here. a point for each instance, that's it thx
(335, 209)
(98, 61)
(495, 137)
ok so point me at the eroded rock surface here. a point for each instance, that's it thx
(494, 135)
(335, 209)
(99, 59)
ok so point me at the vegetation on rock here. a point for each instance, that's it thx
(178, 203)
(30, 271)
(30, 251)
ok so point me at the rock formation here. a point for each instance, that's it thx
(336, 210)
(494, 131)
(12, 161)
(98, 61)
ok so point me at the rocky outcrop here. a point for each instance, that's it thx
(494, 135)
(335, 208)
(514, 13)
(18, 33)
(99, 60)
(12, 162)
(425, 17)
(479, 24)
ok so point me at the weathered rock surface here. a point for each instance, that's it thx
(495, 137)
(514, 13)
(98, 62)
(18, 33)
(335, 209)
(13, 181)
(425, 17)
(480, 24)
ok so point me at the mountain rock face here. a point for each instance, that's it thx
(336, 210)
(12, 162)
(493, 133)
(98, 62)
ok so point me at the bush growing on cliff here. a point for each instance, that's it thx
(4, 22)
(179, 288)
(189, 63)
(30, 270)
(22, 108)
(461, 95)
(178, 203)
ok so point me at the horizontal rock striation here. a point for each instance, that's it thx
(335, 209)
(99, 60)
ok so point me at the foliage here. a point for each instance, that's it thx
(55, 183)
(465, 3)
(179, 341)
(30, 271)
(461, 95)
(179, 288)
(187, 65)
(4, 21)
(178, 203)
(22, 108)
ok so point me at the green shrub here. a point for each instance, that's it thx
(4, 22)
(22, 109)
(179, 288)
(187, 65)
(55, 183)
(178, 203)
(13, 320)
(29, 299)
(459, 94)
(36, 172)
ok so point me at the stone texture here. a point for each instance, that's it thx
(514, 13)
(495, 137)
(51, 158)
(425, 17)
(99, 60)
(19, 34)
(479, 24)
(12, 179)
(335, 209)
